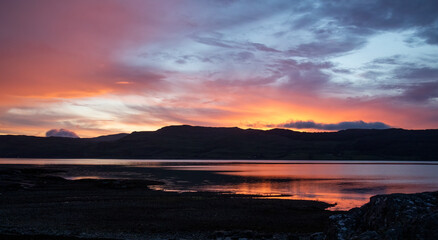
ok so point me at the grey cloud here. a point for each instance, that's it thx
(190, 58)
(339, 27)
(420, 92)
(422, 83)
(384, 14)
(430, 34)
(334, 126)
(417, 73)
(393, 60)
(303, 75)
(61, 133)
(372, 75)
(262, 47)
(243, 56)
(285, 64)
(308, 80)
(327, 47)
(180, 61)
(254, 81)
(213, 42)
(342, 70)
(218, 42)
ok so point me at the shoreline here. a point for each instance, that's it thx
(35, 201)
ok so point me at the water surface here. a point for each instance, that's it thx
(347, 183)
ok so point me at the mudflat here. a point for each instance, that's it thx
(37, 203)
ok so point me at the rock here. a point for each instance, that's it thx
(368, 235)
(389, 217)
(317, 236)
(392, 234)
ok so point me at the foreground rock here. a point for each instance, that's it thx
(394, 216)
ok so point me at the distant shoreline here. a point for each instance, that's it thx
(13, 161)
(191, 142)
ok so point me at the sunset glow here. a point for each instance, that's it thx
(104, 67)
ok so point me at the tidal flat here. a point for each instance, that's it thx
(38, 203)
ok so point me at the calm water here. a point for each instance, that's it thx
(347, 183)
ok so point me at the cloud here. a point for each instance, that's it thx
(422, 73)
(392, 60)
(213, 42)
(61, 133)
(216, 63)
(421, 92)
(334, 126)
(262, 47)
(370, 16)
(328, 46)
(304, 75)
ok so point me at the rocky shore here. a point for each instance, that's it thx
(393, 216)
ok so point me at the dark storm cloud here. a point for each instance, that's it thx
(61, 133)
(334, 126)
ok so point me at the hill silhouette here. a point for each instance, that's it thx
(192, 142)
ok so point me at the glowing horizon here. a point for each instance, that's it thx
(105, 67)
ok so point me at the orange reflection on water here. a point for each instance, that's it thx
(333, 192)
(299, 190)
(346, 185)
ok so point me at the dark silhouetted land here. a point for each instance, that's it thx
(188, 142)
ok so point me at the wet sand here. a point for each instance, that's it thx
(38, 203)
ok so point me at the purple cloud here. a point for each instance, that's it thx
(334, 126)
(421, 92)
(61, 133)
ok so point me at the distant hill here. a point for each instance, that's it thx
(190, 142)
(108, 138)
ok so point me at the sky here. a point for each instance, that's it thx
(97, 67)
